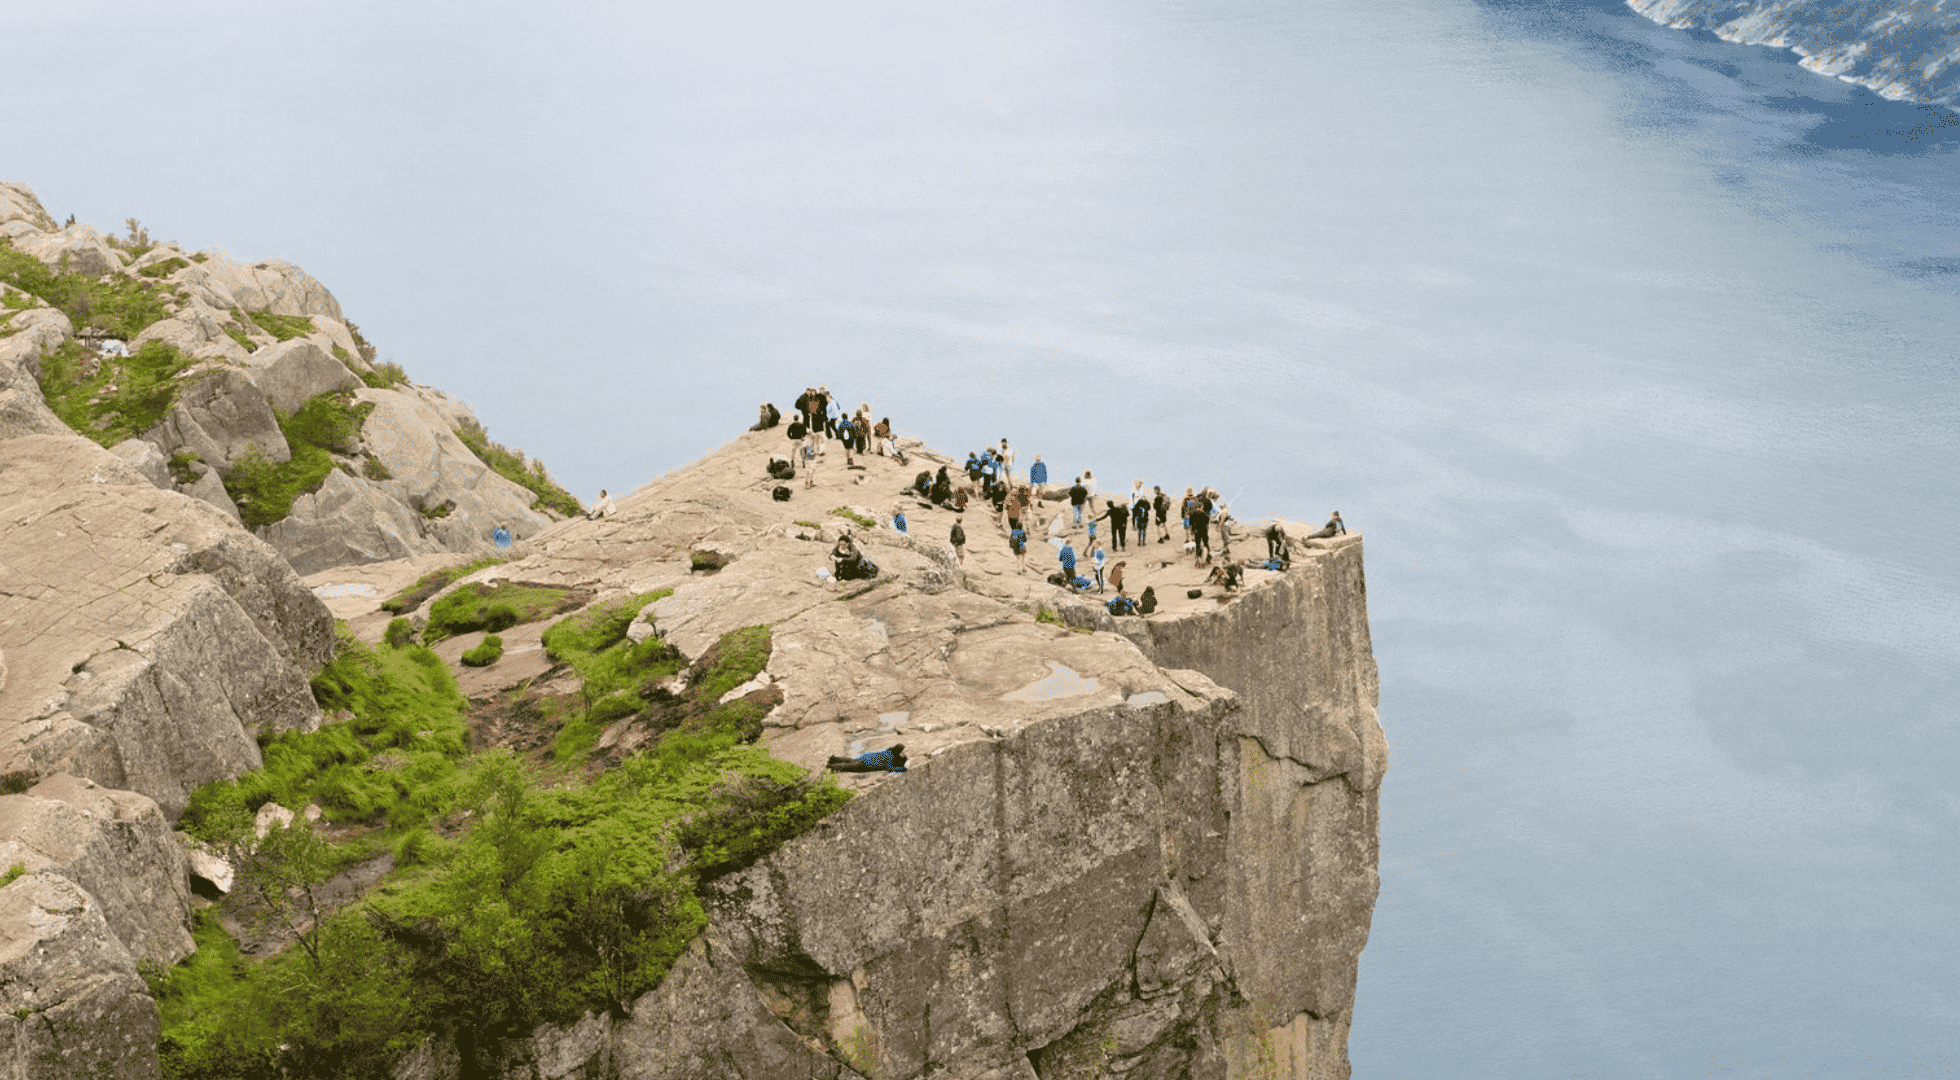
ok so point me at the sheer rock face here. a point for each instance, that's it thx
(71, 1004)
(146, 637)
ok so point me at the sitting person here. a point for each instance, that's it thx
(1334, 527)
(603, 508)
(892, 760)
(942, 488)
(849, 564)
(1122, 605)
(769, 418)
(922, 485)
(1225, 575)
(1148, 603)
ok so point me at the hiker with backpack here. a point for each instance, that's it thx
(1122, 605)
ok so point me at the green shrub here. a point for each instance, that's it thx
(165, 268)
(432, 583)
(264, 489)
(13, 783)
(488, 652)
(121, 304)
(121, 397)
(383, 376)
(283, 327)
(400, 632)
(508, 465)
(330, 421)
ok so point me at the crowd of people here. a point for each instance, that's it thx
(1199, 521)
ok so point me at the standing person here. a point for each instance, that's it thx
(1067, 556)
(1077, 495)
(1038, 472)
(812, 449)
(972, 467)
(1275, 541)
(1006, 457)
(803, 405)
(1116, 576)
(862, 425)
(1140, 515)
(1017, 542)
(1184, 512)
(1201, 528)
(1222, 522)
(847, 438)
(958, 537)
(1162, 504)
(501, 537)
(1092, 532)
(1097, 558)
(1118, 514)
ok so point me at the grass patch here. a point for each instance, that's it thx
(533, 478)
(551, 902)
(382, 376)
(264, 490)
(237, 333)
(809, 524)
(707, 561)
(12, 874)
(847, 514)
(165, 268)
(488, 652)
(283, 327)
(432, 583)
(477, 606)
(19, 780)
(374, 470)
(121, 304)
(400, 632)
(180, 466)
(110, 399)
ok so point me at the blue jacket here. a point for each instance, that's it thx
(1038, 474)
(881, 759)
(898, 522)
(1068, 560)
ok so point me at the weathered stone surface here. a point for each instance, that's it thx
(347, 521)
(144, 459)
(210, 491)
(276, 286)
(410, 433)
(23, 411)
(117, 846)
(18, 203)
(146, 637)
(71, 1004)
(218, 418)
(292, 372)
(198, 328)
(76, 249)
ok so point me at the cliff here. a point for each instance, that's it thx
(1140, 847)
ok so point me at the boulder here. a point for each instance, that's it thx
(218, 418)
(276, 286)
(197, 328)
(147, 637)
(349, 520)
(19, 204)
(71, 1002)
(76, 249)
(292, 372)
(23, 411)
(146, 460)
(210, 490)
(116, 845)
(411, 434)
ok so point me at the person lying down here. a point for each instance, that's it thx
(891, 760)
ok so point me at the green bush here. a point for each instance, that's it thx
(264, 489)
(511, 467)
(400, 632)
(121, 397)
(383, 376)
(121, 304)
(165, 268)
(488, 652)
(13, 783)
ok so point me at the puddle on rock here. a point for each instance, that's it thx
(1060, 683)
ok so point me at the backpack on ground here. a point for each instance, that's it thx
(781, 494)
(1194, 593)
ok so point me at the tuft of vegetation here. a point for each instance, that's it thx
(136, 245)
(809, 524)
(12, 874)
(847, 514)
(264, 490)
(374, 470)
(551, 902)
(19, 780)
(120, 304)
(400, 632)
(439, 511)
(507, 464)
(165, 268)
(383, 376)
(477, 606)
(180, 466)
(487, 652)
(110, 399)
(1047, 615)
(432, 583)
(237, 333)
(283, 327)
(707, 562)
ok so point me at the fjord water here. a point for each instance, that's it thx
(1632, 353)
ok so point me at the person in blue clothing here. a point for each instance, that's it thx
(1068, 561)
(898, 518)
(1038, 472)
(1098, 558)
(889, 760)
(1017, 541)
(501, 537)
(1122, 605)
